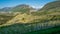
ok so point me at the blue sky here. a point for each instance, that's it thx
(33, 3)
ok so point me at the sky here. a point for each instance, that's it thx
(33, 3)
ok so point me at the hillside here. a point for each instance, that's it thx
(23, 8)
(49, 8)
(20, 22)
(5, 9)
(39, 16)
(51, 5)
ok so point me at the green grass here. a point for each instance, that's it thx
(16, 29)
(55, 30)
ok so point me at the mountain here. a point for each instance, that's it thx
(5, 9)
(19, 8)
(22, 8)
(46, 18)
(54, 6)
(49, 8)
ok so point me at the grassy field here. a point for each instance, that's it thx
(54, 30)
(21, 28)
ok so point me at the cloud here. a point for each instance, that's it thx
(37, 7)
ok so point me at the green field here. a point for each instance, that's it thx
(54, 30)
